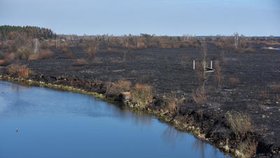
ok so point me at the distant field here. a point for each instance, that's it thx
(238, 101)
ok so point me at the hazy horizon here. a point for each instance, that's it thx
(159, 17)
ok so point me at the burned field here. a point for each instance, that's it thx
(248, 84)
(235, 105)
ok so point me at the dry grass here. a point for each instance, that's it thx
(19, 70)
(239, 123)
(23, 53)
(140, 44)
(118, 87)
(91, 51)
(142, 94)
(172, 101)
(2, 62)
(8, 58)
(200, 73)
(43, 54)
(193, 43)
(248, 148)
(218, 73)
(200, 96)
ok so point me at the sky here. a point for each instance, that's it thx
(160, 17)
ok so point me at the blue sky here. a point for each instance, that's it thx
(161, 17)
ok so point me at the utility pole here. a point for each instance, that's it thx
(236, 38)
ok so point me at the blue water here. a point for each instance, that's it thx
(44, 123)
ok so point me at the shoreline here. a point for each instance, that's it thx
(165, 116)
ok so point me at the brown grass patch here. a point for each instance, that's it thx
(142, 94)
(23, 53)
(240, 123)
(172, 101)
(43, 54)
(199, 96)
(218, 73)
(2, 62)
(200, 72)
(8, 58)
(118, 87)
(171, 104)
(19, 70)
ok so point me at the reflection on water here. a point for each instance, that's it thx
(38, 122)
(171, 135)
(200, 146)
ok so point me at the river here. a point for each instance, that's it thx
(44, 123)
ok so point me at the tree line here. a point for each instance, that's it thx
(12, 32)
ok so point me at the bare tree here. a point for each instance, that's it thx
(199, 95)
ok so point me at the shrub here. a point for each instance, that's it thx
(24, 72)
(199, 96)
(142, 94)
(239, 123)
(19, 70)
(118, 87)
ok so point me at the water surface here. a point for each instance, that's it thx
(44, 123)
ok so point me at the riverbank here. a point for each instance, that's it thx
(194, 122)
